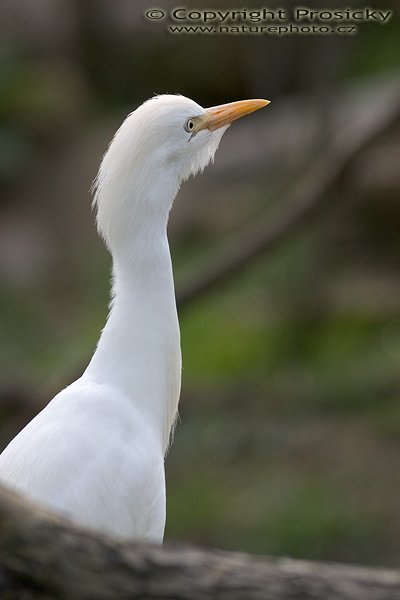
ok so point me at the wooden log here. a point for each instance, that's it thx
(43, 557)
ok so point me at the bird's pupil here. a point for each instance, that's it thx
(189, 125)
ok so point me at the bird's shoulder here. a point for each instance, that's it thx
(90, 455)
(84, 426)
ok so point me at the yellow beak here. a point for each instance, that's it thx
(218, 116)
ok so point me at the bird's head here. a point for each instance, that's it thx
(160, 144)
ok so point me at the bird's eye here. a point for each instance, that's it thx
(189, 125)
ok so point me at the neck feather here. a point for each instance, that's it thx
(139, 349)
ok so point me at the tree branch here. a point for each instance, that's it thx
(309, 197)
(42, 556)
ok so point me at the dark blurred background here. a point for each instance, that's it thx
(289, 437)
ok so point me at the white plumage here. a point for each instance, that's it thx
(96, 452)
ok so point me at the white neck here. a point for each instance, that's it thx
(139, 349)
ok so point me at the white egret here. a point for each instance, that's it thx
(96, 452)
